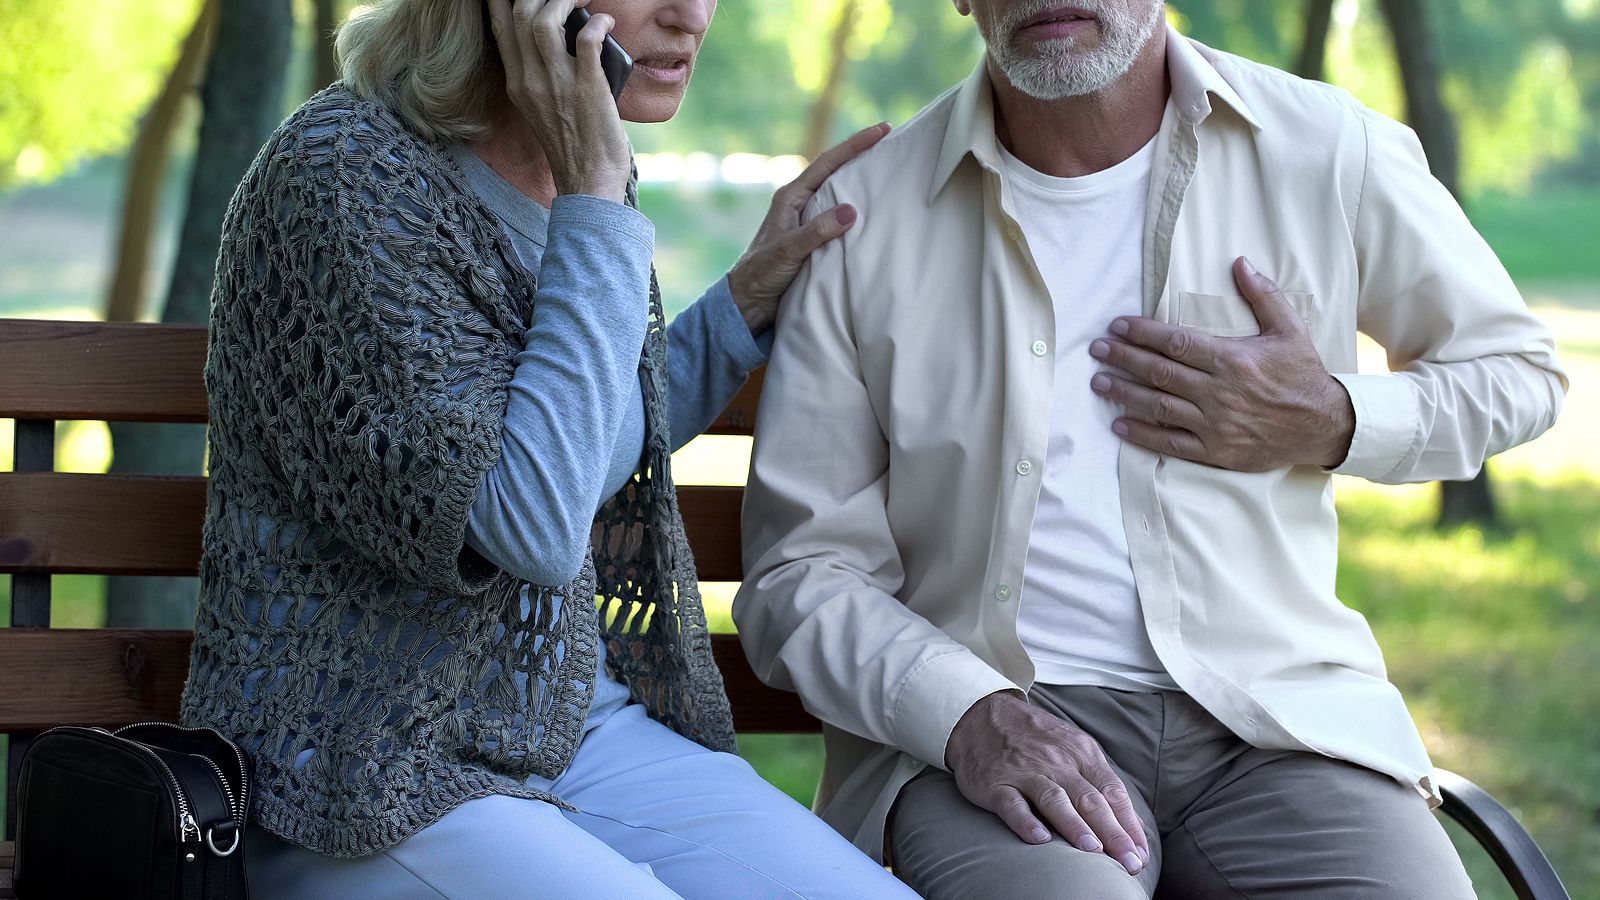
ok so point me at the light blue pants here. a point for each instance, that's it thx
(661, 817)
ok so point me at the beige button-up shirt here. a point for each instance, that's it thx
(907, 410)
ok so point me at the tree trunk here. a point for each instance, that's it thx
(1460, 502)
(146, 165)
(826, 108)
(1421, 76)
(1314, 44)
(241, 103)
(325, 69)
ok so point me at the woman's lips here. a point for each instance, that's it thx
(664, 69)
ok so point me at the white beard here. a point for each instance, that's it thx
(1052, 71)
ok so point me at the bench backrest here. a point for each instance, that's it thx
(54, 523)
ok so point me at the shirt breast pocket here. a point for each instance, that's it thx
(1225, 315)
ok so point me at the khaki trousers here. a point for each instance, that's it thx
(1224, 819)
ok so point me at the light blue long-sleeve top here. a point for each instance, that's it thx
(574, 423)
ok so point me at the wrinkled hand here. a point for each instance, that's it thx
(566, 100)
(1021, 763)
(1249, 404)
(783, 244)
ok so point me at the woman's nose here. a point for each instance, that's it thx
(692, 16)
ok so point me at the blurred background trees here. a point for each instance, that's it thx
(1502, 95)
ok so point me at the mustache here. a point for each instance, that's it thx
(1015, 16)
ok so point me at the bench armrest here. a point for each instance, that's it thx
(1510, 846)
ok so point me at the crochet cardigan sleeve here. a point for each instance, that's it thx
(382, 373)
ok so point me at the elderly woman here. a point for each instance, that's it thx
(439, 376)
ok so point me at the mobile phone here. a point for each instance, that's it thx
(614, 60)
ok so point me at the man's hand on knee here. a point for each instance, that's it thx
(1022, 763)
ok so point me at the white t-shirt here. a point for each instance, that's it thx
(1080, 619)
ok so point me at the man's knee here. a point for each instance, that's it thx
(945, 848)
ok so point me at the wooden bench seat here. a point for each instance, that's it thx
(56, 523)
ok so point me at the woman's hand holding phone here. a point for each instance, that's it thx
(566, 100)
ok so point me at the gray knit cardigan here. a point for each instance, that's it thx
(364, 324)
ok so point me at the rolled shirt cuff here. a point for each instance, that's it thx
(1388, 422)
(935, 696)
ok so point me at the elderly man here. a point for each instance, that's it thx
(1040, 520)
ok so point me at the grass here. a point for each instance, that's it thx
(1494, 639)
(1550, 235)
(1495, 642)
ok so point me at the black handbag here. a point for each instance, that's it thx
(147, 811)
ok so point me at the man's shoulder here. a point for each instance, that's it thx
(1284, 102)
(899, 170)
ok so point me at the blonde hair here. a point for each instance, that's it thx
(432, 61)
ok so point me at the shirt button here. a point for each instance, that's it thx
(1040, 348)
(1024, 466)
(1014, 232)
(1003, 593)
(1144, 521)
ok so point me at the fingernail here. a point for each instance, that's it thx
(845, 214)
(1120, 427)
(1099, 349)
(1130, 861)
(885, 126)
(1249, 267)
(1088, 842)
(1039, 835)
(1101, 383)
(1119, 326)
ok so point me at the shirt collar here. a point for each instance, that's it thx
(971, 127)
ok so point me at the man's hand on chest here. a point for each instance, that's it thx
(1249, 404)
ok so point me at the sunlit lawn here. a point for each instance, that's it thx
(1494, 638)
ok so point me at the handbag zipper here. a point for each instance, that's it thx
(185, 818)
(236, 803)
(244, 778)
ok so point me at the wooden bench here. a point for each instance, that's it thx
(56, 523)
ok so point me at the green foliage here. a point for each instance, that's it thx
(1545, 235)
(1523, 78)
(744, 96)
(764, 61)
(929, 49)
(75, 77)
(1514, 73)
(1264, 30)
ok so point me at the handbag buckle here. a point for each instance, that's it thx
(231, 847)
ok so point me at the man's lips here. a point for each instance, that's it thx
(1058, 22)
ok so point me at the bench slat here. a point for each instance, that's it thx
(55, 523)
(112, 677)
(121, 371)
(95, 676)
(711, 517)
(70, 524)
(145, 372)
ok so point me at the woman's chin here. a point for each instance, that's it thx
(647, 107)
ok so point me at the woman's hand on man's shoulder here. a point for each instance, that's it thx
(785, 241)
